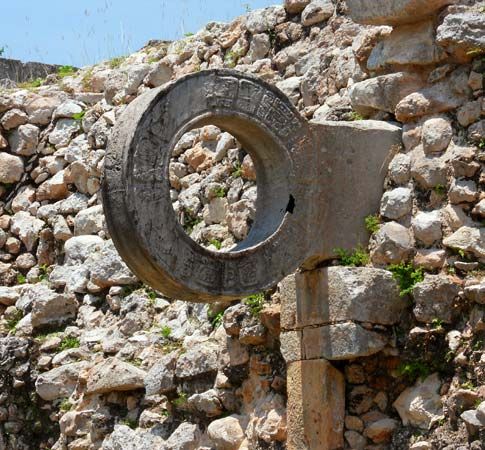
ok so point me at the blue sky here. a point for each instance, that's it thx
(81, 32)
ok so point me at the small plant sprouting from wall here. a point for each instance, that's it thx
(407, 275)
(65, 71)
(255, 303)
(372, 223)
(356, 258)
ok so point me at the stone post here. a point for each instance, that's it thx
(328, 314)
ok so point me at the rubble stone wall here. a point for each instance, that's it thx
(90, 358)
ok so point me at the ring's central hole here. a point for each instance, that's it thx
(213, 187)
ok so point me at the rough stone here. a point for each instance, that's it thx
(462, 191)
(27, 228)
(317, 11)
(468, 239)
(336, 294)
(11, 168)
(393, 12)
(435, 297)
(420, 48)
(296, 6)
(160, 378)
(427, 227)
(23, 141)
(392, 244)
(227, 433)
(396, 203)
(316, 409)
(341, 341)
(114, 375)
(437, 135)
(420, 405)
(59, 382)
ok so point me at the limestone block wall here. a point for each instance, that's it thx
(90, 358)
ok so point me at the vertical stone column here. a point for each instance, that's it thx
(328, 314)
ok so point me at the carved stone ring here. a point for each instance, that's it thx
(136, 189)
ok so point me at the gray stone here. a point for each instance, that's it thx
(434, 299)
(341, 341)
(295, 6)
(59, 382)
(79, 248)
(476, 293)
(468, 239)
(392, 244)
(51, 308)
(160, 377)
(11, 168)
(63, 132)
(27, 228)
(207, 402)
(393, 12)
(336, 294)
(427, 227)
(114, 375)
(8, 295)
(420, 48)
(317, 11)
(396, 203)
(89, 221)
(124, 438)
(384, 92)
(160, 74)
(400, 168)
(437, 135)
(67, 110)
(227, 433)
(462, 191)
(461, 32)
(429, 171)
(420, 405)
(107, 268)
(185, 437)
(199, 360)
(23, 141)
(262, 20)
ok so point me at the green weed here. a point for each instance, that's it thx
(44, 271)
(237, 170)
(437, 324)
(79, 116)
(65, 71)
(166, 331)
(407, 276)
(132, 423)
(354, 116)
(216, 320)
(65, 405)
(114, 63)
(190, 223)
(414, 370)
(356, 258)
(188, 34)
(69, 342)
(31, 84)
(21, 279)
(372, 223)
(220, 192)
(255, 303)
(14, 320)
(216, 243)
(180, 400)
(440, 190)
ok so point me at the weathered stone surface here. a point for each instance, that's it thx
(384, 92)
(261, 20)
(476, 293)
(396, 203)
(420, 405)
(11, 168)
(123, 437)
(114, 375)
(335, 294)
(420, 48)
(208, 276)
(27, 228)
(227, 433)
(462, 32)
(316, 406)
(437, 135)
(59, 382)
(468, 239)
(434, 299)
(391, 244)
(341, 341)
(199, 360)
(107, 268)
(393, 12)
(427, 227)
(295, 6)
(317, 11)
(160, 378)
(185, 437)
(23, 141)
(50, 307)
